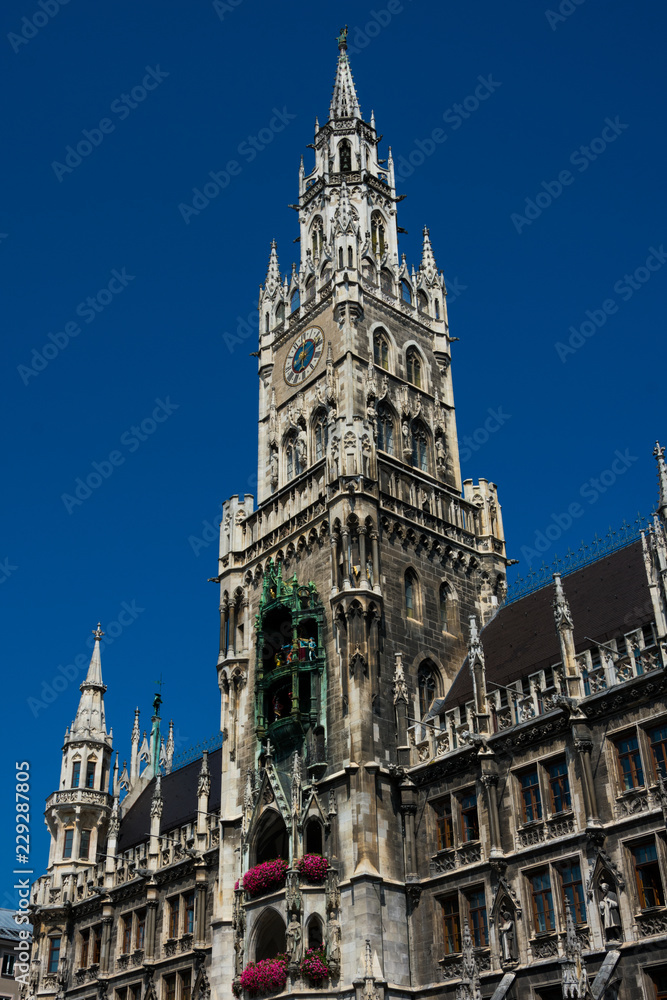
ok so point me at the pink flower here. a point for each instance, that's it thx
(313, 867)
(265, 876)
(267, 976)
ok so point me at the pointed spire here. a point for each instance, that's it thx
(273, 271)
(204, 779)
(344, 103)
(171, 746)
(562, 613)
(89, 721)
(428, 264)
(373, 120)
(659, 455)
(475, 648)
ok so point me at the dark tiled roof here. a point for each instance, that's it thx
(607, 598)
(9, 929)
(179, 794)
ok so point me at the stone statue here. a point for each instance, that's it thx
(333, 942)
(440, 454)
(611, 919)
(506, 928)
(301, 448)
(274, 466)
(369, 570)
(294, 941)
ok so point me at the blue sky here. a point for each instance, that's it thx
(545, 199)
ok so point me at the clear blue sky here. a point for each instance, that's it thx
(218, 72)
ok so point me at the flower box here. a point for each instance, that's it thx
(314, 966)
(313, 867)
(265, 877)
(264, 977)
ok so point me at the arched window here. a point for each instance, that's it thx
(422, 302)
(350, 258)
(310, 289)
(377, 233)
(419, 446)
(266, 323)
(271, 840)
(292, 457)
(317, 236)
(340, 257)
(386, 281)
(315, 935)
(295, 301)
(314, 839)
(437, 308)
(385, 427)
(413, 363)
(411, 584)
(280, 313)
(344, 157)
(321, 429)
(369, 272)
(381, 350)
(270, 935)
(426, 685)
(406, 292)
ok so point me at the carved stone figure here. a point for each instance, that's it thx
(608, 904)
(507, 934)
(333, 943)
(440, 454)
(301, 448)
(294, 941)
(274, 466)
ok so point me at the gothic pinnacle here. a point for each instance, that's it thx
(344, 103)
(273, 271)
(428, 260)
(659, 455)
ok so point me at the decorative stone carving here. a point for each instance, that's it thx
(507, 934)
(294, 941)
(609, 911)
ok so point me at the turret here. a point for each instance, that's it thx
(77, 814)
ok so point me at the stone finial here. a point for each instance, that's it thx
(273, 271)
(428, 265)
(204, 779)
(344, 103)
(562, 613)
(475, 648)
(659, 455)
(400, 683)
(157, 800)
(169, 754)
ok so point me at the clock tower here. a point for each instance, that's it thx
(345, 594)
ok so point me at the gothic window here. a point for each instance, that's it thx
(90, 774)
(344, 156)
(140, 929)
(340, 257)
(377, 233)
(543, 902)
(630, 768)
(479, 927)
(267, 325)
(437, 308)
(451, 925)
(271, 841)
(310, 289)
(321, 429)
(292, 458)
(314, 841)
(76, 773)
(270, 935)
(419, 446)
(443, 823)
(413, 361)
(96, 943)
(647, 874)
(427, 684)
(54, 954)
(658, 738)
(350, 259)
(68, 842)
(559, 786)
(84, 845)
(280, 313)
(411, 584)
(447, 606)
(295, 301)
(126, 934)
(317, 236)
(189, 912)
(422, 302)
(174, 913)
(573, 890)
(369, 272)
(469, 816)
(406, 292)
(385, 428)
(381, 350)
(531, 800)
(315, 936)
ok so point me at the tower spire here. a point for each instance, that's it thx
(273, 272)
(428, 265)
(89, 719)
(659, 455)
(344, 103)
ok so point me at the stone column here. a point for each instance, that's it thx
(347, 555)
(105, 947)
(151, 915)
(200, 910)
(363, 579)
(334, 563)
(490, 782)
(231, 648)
(409, 808)
(583, 744)
(376, 562)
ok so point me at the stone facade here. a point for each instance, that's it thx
(382, 707)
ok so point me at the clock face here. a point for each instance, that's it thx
(304, 355)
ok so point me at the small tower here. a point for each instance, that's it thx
(77, 814)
